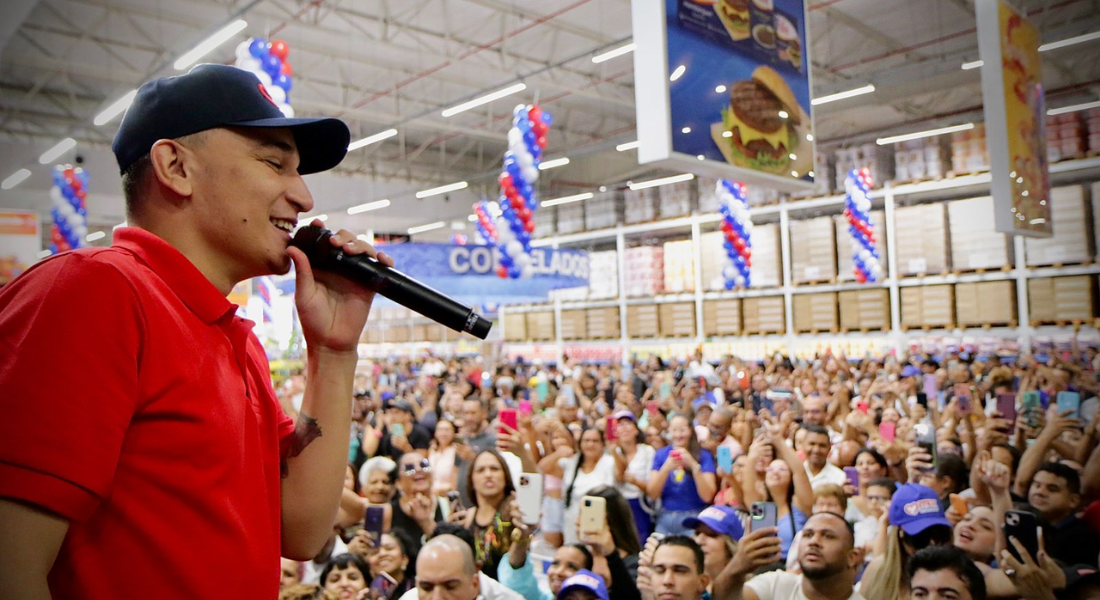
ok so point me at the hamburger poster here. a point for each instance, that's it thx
(723, 89)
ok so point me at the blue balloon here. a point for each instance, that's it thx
(547, 118)
(272, 65)
(67, 192)
(59, 179)
(738, 262)
(63, 225)
(83, 176)
(527, 191)
(530, 138)
(506, 261)
(513, 272)
(524, 126)
(524, 238)
(53, 248)
(83, 212)
(519, 110)
(728, 246)
(858, 262)
(729, 284)
(532, 203)
(283, 81)
(259, 48)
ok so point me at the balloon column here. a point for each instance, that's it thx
(857, 208)
(267, 60)
(518, 201)
(484, 212)
(70, 218)
(737, 228)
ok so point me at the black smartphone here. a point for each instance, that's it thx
(922, 399)
(373, 523)
(1024, 527)
(455, 499)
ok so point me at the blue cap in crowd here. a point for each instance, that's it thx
(586, 580)
(910, 371)
(722, 519)
(915, 508)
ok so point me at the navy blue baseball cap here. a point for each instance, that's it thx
(585, 580)
(210, 96)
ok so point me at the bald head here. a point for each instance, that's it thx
(445, 570)
(446, 549)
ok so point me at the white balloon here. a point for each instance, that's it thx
(287, 110)
(515, 136)
(522, 260)
(264, 78)
(250, 64)
(504, 232)
(514, 249)
(877, 271)
(525, 160)
(57, 197)
(729, 272)
(527, 272)
(82, 231)
(494, 207)
(66, 209)
(242, 50)
(747, 226)
(739, 279)
(277, 94)
(864, 255)
(531, 174)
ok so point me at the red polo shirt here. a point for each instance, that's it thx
(137, 405)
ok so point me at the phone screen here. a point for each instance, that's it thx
(508, 417)
(611, 432)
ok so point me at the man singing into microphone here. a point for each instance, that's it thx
(142, 451)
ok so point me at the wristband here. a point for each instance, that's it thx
(378, 434)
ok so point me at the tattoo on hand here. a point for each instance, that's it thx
(305, 431)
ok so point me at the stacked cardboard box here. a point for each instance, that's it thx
(371, 336)
(540, 326)
(677, 319)
(823, 173)
(922, 239)
(876, 158)
(640, 206)
(920, 159)
(545, 222)
(713, 257)
(968, 151)
(570, 218)
(764, 315)
(1070, 241)
(1066, 137)
(679, 267)
(676, 199)
(603, 211)
(574, 324)
(928, 306)
(986, 303)
(434, 333)
(603, 323)
(1060, 299)
(603, 275)
(515, 327)
(722, 317)
(865, 309)
(975, 241)
(815, 312)
(397, 334)
(813, 250)
(644, 268)
(642, 321)
(845, 267)
(708, 195)
(766, 259)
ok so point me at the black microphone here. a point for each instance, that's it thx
(391, 283)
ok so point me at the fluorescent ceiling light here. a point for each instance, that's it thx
(923, 134)
(443, 189)
(641, 185)
(472, 218)
(628, 146)
(15, 179)
(567, 199)
(487, 98)
(369, 206)
(115, 109)
(95, 235)
(428, 227)
(54, 153)
(867, 89)
(678, 73)
(974, 64)
(371, 139)
(307, 220)
(550, 164)
(1087, 37)
(617, 52)
(1059, 111)
(208, 45)
(122, 224)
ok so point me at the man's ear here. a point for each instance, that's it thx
(173, 166)
(855, 557)
(705, 580)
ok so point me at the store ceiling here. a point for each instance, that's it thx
(398, 63)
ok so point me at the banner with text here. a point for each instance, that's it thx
(20, 243)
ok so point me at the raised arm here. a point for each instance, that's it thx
(1034, 456)
(30, 539)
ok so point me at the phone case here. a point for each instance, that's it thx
(930, 387)
(612, 430)
(1006, 405)
(525, 407)
(1069, 401)
(593, 515)
(372, 522)
(888, 431)
(1022, 526)
(397, 429)
(853, 476)
(763, 515)
(508, 417)
(384, 584)
(529, 497)
(959, 504)
(725, 459)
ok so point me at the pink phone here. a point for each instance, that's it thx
(525, 407)
(887, 430)
(612, 429)
(508, 417)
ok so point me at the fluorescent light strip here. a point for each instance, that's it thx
(54, 153)
(550, 164)
(369, 206)
(617, 52)
(1087, 37)
(15, 179)
(1065, 109)
(567, 199)
(307, 220)
(210, 43)
(641, 185)
(443, 189)
(428, 227)
(44, 253)
(372, 139)
(628, 146)
(472, 218)
(487, 98)
(115, 109)
(923, 134)
(867, 89)
(122, 224)
(95, 235)
(678, 73)
(974, 64)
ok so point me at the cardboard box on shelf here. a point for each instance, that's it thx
(433, 333)
(676, 199)
(986, 303)
(678, 268)
(644, 268)
(815, 312)
(540, 326)
(640, 206)
(865, 309)
(603, 275)
(1069, 244)
(574, 324)
(545, 223)
(713, 257)
(515, 326)
(677, 319)
(570, 218)
(879, 160)
(642, 321)
(921, 239)
(845, 265)
(928, 306)
(722, 317)
(708, 195)
(603, 323)
(603, 211)
(813, 250)
(764, 314)
(1061, 299)
(975, 242)
(397, 334)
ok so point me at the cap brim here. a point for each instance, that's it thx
(322, 143)
(694, 522)
(916, 526)
(565, 590)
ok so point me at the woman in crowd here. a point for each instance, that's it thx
(415, 511)
(374, 485)
(976, 534)
(682, 478)
(870, 465)
(392, 558)
(914, 523)
(345, 576)
(633, 462)
(567, 561)
(441, 457)
(561, 446)
(489, 517)
(717, 531)
(624, 535)
(591, 468)
(788, 488)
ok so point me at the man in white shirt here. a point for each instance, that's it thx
(828, 558)
(490, 589)
(817, 446)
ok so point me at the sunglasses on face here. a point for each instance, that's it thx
(411, 468)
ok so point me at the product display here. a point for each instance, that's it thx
(1070, 243)
(1061, 299)
(813, 250)
(574, 324)
(515, 327)
(722, 317)
(986, 303)
(540, 326)
(922, 239)
(679, 267)
(815, 313)
(864, 310)
(603, 323)
(642, 321)
(603, 211)
(764, 315)
(968, 151)
(975, 244)
(645, 271)
(640, 206)
(677, 319)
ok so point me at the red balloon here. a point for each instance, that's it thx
(517, 202)
(505, 180)
(280, 49)
(523, 212)
(748, 261)
(739, 244)
(535, 114)
(55, 236)
(287, 69)
(76, 184)
(746, 253)
(542, 141)
(731, 235)
(82, 194)
(502, 272)
(540, 128)
(726, 227)
(63, 245)
(69, 173)
(529, 227)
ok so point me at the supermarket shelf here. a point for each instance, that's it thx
(959, 278)
(1036, 272)
(839, 287)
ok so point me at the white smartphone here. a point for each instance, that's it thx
(593, 515)
(529, 497)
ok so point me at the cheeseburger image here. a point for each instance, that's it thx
(754, 133)
(734, 14)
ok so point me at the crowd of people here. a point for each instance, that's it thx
(959, 476)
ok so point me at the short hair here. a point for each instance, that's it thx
(684, 541)
(1073, 478)
(343, 562)
(884, 482)
(460, 532)
(1013, 451)
(831, 490)
(847, 526)
(812, 428)
(954, 467)
(939, 558)
(378, 463)
(589, 560)
(138, 174)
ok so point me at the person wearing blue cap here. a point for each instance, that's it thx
(916, 521)
(163, 449)
(717, 530)
(584, 585)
